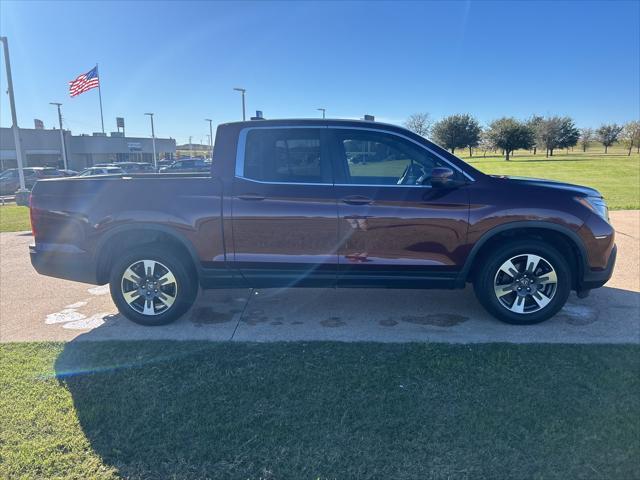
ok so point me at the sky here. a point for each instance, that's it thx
(181, 61)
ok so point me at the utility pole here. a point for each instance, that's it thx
(323, 110)
(14, 117)
(210, 136)
(190, 147)
(153, 141)
(242, 91)
(64, 148)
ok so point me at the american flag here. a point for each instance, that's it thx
(84, 82)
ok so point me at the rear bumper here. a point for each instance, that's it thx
(63, 261)
(597, 278)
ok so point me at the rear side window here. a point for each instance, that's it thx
(291, 155)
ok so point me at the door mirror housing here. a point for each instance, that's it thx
(442, 177)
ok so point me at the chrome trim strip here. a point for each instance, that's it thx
(242, 140)
(377, 186)
(284, 183)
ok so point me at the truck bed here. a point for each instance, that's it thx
(80, 217)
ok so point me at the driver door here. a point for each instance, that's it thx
(394, 228)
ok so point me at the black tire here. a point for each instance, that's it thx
(184, 290)
(489, 273)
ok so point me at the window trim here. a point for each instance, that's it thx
(242, 141)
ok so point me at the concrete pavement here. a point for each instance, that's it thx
(38, 308)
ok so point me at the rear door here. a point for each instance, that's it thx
(395, 229)
(285, 226)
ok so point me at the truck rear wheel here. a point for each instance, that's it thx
(152, 286)
(524, 282)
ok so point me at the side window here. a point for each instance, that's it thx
(378, 158)
(286, 155)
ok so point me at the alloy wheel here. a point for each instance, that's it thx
(149, 287)
(525, 283)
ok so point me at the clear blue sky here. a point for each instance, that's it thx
(181, 61)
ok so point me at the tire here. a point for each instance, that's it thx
(156, 299)
(524, 296)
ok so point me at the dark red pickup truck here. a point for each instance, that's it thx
(311, 203)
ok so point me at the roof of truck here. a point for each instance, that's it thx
(312, 121)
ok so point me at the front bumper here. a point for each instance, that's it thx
(597, 278)
(63, 261)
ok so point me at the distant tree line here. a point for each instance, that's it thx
(509, 134)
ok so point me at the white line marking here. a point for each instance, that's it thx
(66, 315)
(101, 290)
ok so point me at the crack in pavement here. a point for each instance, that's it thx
(244, 309)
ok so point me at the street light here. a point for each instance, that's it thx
(153, 141)
(14, 118)
(210, 136)
(64, 148)
(323, 110)
(243, 91)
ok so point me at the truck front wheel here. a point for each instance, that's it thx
(524, 282)
(152, 286)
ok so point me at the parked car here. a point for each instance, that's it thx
(196, 165)
(284, 207)
(130, 167)
(93, 171)
(9, 180)
(68, 173)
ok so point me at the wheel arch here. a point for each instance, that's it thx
(122, 237)
(559, 236)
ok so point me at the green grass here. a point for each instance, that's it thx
(617, 177)
(14, 218)
(155, 410)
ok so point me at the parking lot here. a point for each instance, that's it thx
(38, 308)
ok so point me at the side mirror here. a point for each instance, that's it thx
(442, 177)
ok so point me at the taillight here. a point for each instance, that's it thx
(33, 216)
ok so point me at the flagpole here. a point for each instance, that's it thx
(100, 97)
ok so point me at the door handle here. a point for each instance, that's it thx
(251, 197)
(357, 200)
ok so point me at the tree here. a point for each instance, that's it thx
(534, 123)
(586, 136)
(556, 132)
(485, 144)
(419, 123)
(509, 134)
(457, 131)
(608, 135)
(631, 136)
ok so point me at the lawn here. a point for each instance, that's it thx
(617, 177)
(155, 410)
(14, 219)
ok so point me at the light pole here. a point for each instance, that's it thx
(64, 148)
(190, 147)
(242, 91)
(323, 110)
(153, 141)
(14, 117)
(210, 136)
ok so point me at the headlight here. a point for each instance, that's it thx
(597, 205)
